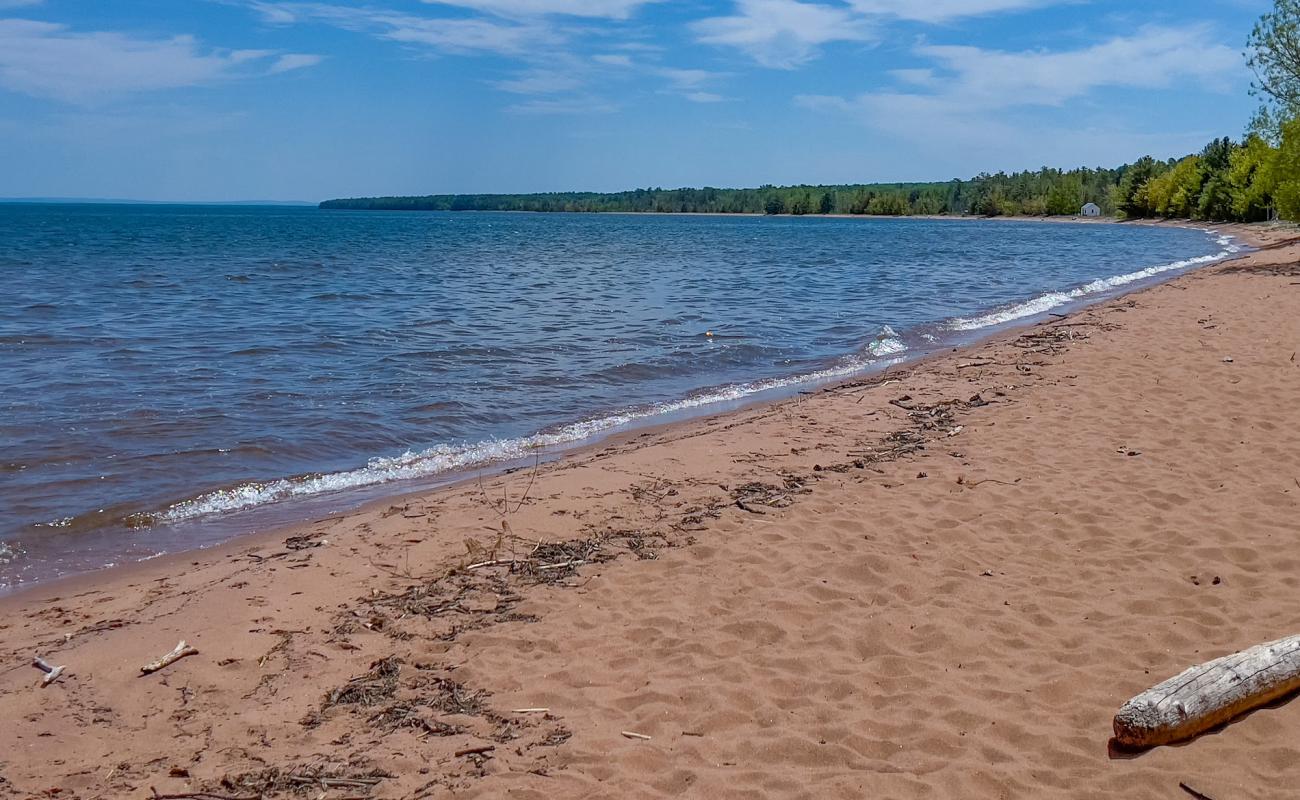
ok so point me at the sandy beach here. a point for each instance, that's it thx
(937, 582)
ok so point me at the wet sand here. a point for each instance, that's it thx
(939, 582)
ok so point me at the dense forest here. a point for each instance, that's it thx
(1225, 181)
(1255, 179)
(1047, 191)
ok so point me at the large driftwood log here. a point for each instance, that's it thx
(1210, 694)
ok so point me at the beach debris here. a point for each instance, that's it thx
(1193, 792)
(267, 781)
(476, 751)
(1209, 694)
(531, 711)
(181, 650)
(635, 735)
(51, 671)
(376, 686)
(1227, 360)
(198, 796)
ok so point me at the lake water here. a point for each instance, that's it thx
(171, 374)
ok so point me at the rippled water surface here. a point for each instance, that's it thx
(167, 371)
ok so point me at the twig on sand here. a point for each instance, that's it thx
(531, 711)
(328, 783)
(537, 462)
(199, 796)
(180, 651)
(476, 751)
(1193, 792)
(52, 672)
(634, 735)
(563, 565)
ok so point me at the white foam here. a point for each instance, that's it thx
(886, 343)
(7, 553)
(458, 458)
(1046, 302)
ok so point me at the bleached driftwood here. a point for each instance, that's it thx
(181, 650)
(1210, 694)
(52, 672)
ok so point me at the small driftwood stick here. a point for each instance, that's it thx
(52, 672)
(180, 651)
(635, 735)
(1210, 694)
(476, 751)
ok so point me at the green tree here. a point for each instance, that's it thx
(1252, 179)
(1287, 193)
(1274, 46)
(774, 205)
(1065, 197)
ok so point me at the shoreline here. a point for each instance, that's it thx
(278, 515)
(942, 580)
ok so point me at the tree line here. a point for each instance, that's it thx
(1046, 191)
(1225, 181)
(1255, 179)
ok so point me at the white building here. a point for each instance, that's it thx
(1090, 210)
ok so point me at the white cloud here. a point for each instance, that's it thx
(576, 105)
(465, 35)
(966, 103)
(782, 33)
(970, 80)
(455, 35)
(50, 60)
(612, 59)
(539, 81)
(608, 9)
(1151, 58)
(686, 78)
(935, 11)
(292, 61)
(8, 4)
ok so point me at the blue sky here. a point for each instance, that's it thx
(272, 99)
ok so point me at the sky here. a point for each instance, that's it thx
(289, 100)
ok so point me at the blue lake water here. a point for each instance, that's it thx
(168, 373)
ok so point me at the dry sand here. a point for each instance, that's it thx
(937, 583)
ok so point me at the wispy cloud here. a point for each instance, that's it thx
(6, 5)
(782, 33)
(963, 99)
(573, 105)
(291, 61)
(607, 9)
(937, 11)
(540, 81)
(446, 34)
(46, 59)
(968, 79)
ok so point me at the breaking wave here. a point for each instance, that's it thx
(449, 459)
(1050, 300)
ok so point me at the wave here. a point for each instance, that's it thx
(7, 554)
(886, 343)
(1050, 300)
(445, 459)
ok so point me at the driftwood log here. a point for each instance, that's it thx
(1210, 694)
(180, 651)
